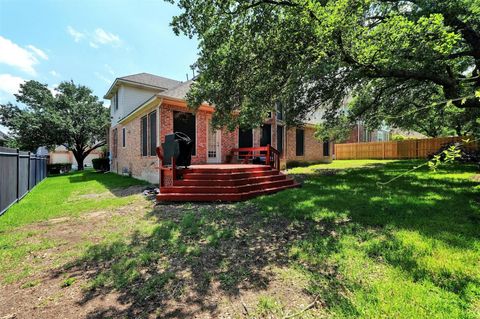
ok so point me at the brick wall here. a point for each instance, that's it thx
(201, 123)
(129, 159)
(313, 148)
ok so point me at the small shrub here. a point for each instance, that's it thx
(68, 282)
(101, 164)
(59, 168)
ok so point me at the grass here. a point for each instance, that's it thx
(61, 195)
(408, 249)
(337, 165)
(67, 195)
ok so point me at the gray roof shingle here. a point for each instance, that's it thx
(151, 80)
(179, 91)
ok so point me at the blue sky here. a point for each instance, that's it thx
(90, 41)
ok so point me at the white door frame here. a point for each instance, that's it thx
(218, 158)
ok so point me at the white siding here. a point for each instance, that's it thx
(129, 98)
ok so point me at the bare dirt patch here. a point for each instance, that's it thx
(226, 258)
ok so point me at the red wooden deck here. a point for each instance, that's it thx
(225, 182)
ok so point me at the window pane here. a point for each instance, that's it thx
(144, 136)
(115, 143)
(245, 138)
(279, 108)
(123, 137)
(153, 132)
(185, 122)
(280, 138)
(266, 137)
(326, 148)
(299, 142)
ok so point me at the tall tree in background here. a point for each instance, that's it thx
(389, 56)
(73, 117)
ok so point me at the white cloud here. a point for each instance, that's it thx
(16, 56)
(38, 52)
(103, 78)
(96, 38)
(109, 69)
(76, 35)
(53, 88)
(10, 84)
(54, 73)
(104, 37)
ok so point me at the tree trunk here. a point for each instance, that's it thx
(79, 157)
(80, 164)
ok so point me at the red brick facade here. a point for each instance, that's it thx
(129, 159)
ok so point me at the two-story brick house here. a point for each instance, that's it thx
(146, 107)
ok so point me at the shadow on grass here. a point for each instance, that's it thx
(194, 254)
(191, 255)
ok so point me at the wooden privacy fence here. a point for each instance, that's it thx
(19, 173)
(420, 148)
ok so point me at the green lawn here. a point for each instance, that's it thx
(337, 165)
(67, 195)
(62, 196)
(408, 249)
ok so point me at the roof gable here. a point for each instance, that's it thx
(143, 80)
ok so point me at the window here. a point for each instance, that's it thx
(326, 148)
(266, 137)
(279, 109)
(115, 143)
(245, 138)
(299, 147)
(280, 138)
(185, 122)
(152, 121)
(115, 101)
(144, 135)
(124, 137)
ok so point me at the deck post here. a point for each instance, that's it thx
(174, 170)
(268, 155)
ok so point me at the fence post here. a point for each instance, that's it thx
(18, 173)
(28, 174)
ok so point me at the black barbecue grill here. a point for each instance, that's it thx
(179, 146)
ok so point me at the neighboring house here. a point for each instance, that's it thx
(360, 133)
(3, 139)
(62, 156)
(407, 134)
(145, 107)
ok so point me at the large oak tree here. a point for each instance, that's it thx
(389, 57)
(73, 117)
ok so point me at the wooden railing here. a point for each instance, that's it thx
(166, 171)
(247, 154)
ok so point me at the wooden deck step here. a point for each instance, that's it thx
(207, 197)
(225, 182)
(228, 189)
(228, 176)
(228, 170)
